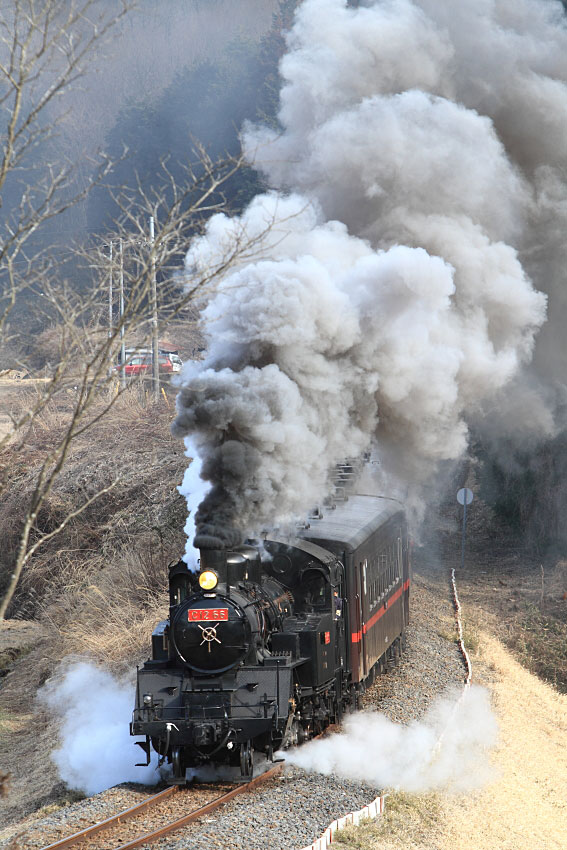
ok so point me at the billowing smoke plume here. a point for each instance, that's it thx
(96, 750)
(420, 177)
(449, 749)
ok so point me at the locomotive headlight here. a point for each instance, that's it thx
(148, 700)
(208, 580)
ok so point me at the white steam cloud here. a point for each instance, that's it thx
(449, 749)
(96, 749)
(419, 180)
(194, 489)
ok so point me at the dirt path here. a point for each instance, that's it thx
(525, 807)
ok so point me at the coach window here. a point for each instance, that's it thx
(376, 574)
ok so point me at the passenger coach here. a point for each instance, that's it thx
(369, 535)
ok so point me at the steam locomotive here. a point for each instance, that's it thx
(274, 640)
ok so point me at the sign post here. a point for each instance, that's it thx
(464, 498)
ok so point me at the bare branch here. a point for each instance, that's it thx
(25, 553)
(43, 48)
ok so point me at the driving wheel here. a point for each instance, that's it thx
(246, 762)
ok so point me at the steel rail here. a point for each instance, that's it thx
(152, 801)
(115, 819)
(176, 824)
(198, 813)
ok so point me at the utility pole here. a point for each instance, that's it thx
(122, 345)
(110, 296)
(153, 301)
(110, 293)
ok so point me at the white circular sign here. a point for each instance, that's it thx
(464, 496)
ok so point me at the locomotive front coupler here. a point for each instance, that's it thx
(225, 742)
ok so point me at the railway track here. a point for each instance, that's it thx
(121, 832)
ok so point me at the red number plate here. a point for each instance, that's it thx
(200, 614)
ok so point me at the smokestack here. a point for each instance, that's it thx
(214, 559)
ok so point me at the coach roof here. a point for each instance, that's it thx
(350, 523)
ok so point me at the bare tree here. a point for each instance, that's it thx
(85, 370)
(44, 45)
(44, 48)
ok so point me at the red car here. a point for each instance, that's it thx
(141, 364)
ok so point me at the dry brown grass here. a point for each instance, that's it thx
(524, 807)
(410, 821)
(539, 641)
(99, 588)
(114, 613)
(143, 513)
(110, 630)
(528, 615)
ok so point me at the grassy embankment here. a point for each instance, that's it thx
(98, 588)
(522, 807)
(515, 627)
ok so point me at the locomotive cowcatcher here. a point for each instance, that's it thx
(273, 640)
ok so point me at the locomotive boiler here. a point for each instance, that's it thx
(273, 640)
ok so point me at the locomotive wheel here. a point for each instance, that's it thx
(397, 650)
(291, 738)
(246, 761)
(354, 700)
(178, 764)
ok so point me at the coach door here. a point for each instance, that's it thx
(361, 608)
(339, 615)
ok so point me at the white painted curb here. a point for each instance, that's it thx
(371, 811)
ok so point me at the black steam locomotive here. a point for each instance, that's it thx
(271, 642)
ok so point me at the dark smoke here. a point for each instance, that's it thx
(394, 300)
